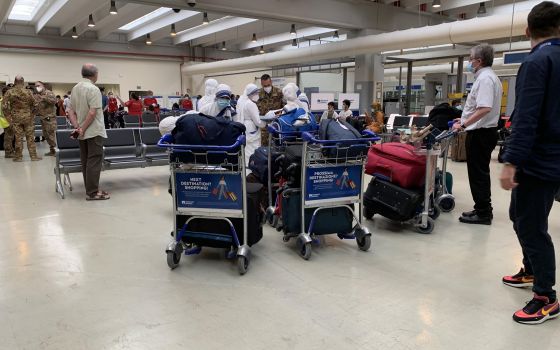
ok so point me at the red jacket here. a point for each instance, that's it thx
(113, 105)
(134, 107)
(148, 101)
(187, 104)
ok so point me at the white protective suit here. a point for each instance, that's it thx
(290, 94)
(212, 108)
(209, 92)
(248, 114)
(304, 101)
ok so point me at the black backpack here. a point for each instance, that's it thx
(443, 114)
(200, 129)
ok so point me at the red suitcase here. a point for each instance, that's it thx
(397, 163)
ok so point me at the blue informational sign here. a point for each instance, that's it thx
(333, 182)
(209, 191)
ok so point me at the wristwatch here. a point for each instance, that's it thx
(463, 126)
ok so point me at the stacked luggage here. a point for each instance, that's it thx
(293, 153)
(404, 186)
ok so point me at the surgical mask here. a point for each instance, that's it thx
(39, 89)
(254, 98)
(223, 103)
(459, 107)
(268, 89)
(470, 68)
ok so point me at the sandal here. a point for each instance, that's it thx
(99, 196)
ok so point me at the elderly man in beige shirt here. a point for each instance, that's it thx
(86, 115)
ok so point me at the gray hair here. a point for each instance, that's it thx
(89, 70)
(485, 53)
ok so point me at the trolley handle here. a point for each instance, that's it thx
(368, 136)
(445, 135)
(167, 139)
(271, 129)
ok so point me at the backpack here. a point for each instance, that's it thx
(340, 130)
(200, 129)
(258, 164)
(442, 114)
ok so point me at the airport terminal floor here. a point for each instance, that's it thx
(93, 275)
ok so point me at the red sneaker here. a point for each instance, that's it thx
(521, 279)
(537, 311)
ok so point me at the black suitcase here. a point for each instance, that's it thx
(327, 221)
(391, 201)
(220, 228)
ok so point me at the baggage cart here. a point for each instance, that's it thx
(206, 189)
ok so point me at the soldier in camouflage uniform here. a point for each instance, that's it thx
(19, 103)
(8, 132)
(270, 99)
(46, 109)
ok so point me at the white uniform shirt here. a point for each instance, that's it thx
(345, 114)
(486, 92)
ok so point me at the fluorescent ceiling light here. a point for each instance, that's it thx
(146, 18)
(25, 10)
(417, 48)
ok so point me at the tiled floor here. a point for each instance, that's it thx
(92, 275)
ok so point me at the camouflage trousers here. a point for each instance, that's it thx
(49, 131)
(25, 129)
(9, 140)
(264, 137)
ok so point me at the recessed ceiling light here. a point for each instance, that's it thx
(74, 33)
(173, 31)
(205, 18)
(148, 39)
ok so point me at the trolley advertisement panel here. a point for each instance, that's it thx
(324, 184)
(208, 191)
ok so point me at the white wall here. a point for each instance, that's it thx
(163, 77)
(326, 82)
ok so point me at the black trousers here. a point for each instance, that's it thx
(530, 206)
(479, 144)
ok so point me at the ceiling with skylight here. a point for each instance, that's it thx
(25, 10)
(249, 27)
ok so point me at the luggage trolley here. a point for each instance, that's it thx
(444, 200)
(424, 217)
(208, 184)
(332, 178)
(278, 142)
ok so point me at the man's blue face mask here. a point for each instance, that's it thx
(223, 103)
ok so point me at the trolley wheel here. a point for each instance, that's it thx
(174, 257)
(304, 250)
(364, 243)
(286, 238)
(242, 264)
(428, 229)
(435, 212)
(368, 213)
(447, 204)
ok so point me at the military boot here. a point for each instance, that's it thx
(36, 158)
(52, 153)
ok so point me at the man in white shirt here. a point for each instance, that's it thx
(346, 113)
(480, 119)
(86, 115)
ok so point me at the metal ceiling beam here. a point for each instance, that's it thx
(211, 28)
(86, 7)
(161, 22)
(5, 9)
(49, 13)
(322, 13)
(127, 13)
(285, 37)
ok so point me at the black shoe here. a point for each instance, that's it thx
(476, 219)
(469, 213)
